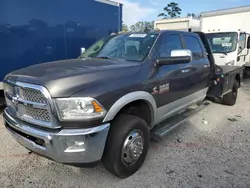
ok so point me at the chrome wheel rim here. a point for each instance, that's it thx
(132, 147)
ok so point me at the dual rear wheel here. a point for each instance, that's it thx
(231, 97)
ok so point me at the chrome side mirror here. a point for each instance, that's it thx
(182, 53)
(83, 50)
(176, 57)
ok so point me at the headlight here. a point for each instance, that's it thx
(79, 109)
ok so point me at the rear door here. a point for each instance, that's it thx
(199, 67)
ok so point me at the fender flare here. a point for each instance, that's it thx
(131, 97)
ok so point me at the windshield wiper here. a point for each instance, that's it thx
(106, 57)
(220, 53)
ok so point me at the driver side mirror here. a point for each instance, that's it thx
(83, 50)
(244, 52)
(248, 42)
(176, 57)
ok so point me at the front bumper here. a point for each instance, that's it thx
(55, 145)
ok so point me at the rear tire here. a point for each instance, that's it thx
(127, 145)
(231, 97)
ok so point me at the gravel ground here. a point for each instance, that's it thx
(208, 151)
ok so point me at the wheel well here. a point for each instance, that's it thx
(138, 108)
(238, 79)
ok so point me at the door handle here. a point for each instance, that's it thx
(185, 70)
(206, 66)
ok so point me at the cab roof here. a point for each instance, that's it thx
(160, 32)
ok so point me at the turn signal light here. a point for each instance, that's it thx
(97, 107)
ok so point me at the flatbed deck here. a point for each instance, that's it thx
(223, 79)
(227, 69)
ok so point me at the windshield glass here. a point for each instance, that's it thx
(223, 42)
(129, 47)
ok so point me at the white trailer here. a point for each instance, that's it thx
(183, 24)
(227, 31)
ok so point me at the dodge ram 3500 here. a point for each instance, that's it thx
(104, 105)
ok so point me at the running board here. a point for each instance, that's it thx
(162, 129)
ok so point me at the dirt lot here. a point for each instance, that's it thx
(211, 150)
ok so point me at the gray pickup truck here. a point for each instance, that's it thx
(105, 105)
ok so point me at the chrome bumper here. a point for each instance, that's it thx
(55, 145)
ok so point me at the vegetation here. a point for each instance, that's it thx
(193, 15)
(172, 10)
(125, 28)
(142, 26)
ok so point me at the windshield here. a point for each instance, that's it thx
(93, 50)
(223, 42)
(129, 47)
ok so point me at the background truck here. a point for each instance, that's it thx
(105, 104)
(228, 33)
(32, 32)
(181, 24)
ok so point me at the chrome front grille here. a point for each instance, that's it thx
(32, 95)
(30, 103)
(36, 113)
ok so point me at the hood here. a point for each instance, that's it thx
(64, 78)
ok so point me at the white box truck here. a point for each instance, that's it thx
(228, 33)
(183, 24)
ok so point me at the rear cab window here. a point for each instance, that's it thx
(193, 44)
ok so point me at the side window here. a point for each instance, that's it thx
(242, 42)
(194, 45)
(169, 43)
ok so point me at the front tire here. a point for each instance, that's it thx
(231, 97)
(127, 145)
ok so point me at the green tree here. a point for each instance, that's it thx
(193, 15)
(172, 10)
(142, 26)
(125, 28)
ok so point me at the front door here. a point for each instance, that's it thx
(171, 85)
(242, 55)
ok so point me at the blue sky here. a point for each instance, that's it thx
(140, 10)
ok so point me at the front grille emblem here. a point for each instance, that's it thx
(15, 101)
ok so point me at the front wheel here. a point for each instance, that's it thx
(127, 145)
(231, 97)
